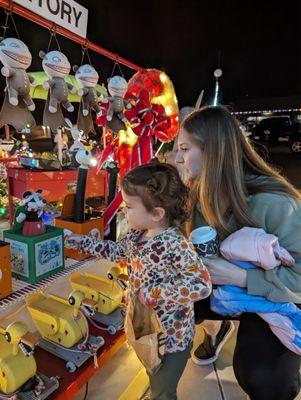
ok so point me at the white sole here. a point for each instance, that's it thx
(211, 360)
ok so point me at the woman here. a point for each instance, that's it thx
(232, 187)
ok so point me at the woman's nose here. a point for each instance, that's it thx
(179, 158)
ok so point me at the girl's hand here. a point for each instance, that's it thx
(147, 300)
(73, 241)
(223, 272)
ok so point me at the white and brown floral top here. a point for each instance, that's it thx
(168, 273)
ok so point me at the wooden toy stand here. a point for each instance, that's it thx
(5, 270)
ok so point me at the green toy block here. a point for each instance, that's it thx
(37, 257)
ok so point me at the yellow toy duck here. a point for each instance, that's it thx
(17, 364)
(59, 320)
(106, 294)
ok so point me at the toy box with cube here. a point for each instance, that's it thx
(34, 258)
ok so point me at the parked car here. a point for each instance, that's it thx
(273, 131)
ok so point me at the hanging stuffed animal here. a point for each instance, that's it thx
(117, 88)
(64, 139)
(17, 106)
(57, 67)
(113, 107)
(87, 78)
(77, 136)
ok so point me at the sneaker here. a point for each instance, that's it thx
(208, 351)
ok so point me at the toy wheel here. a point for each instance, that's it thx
(71, 367)
(101, 340)
(112, 330)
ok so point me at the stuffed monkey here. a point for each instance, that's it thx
(16, 58)
(87, 78)
(117, 87)
(57, 67)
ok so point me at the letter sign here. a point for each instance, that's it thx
(66, 13)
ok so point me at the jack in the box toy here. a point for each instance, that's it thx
(28, 216)
(36, 249)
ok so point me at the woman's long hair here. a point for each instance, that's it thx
(231, 169)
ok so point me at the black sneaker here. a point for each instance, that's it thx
(208, 351)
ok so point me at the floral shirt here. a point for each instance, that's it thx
(168, 273)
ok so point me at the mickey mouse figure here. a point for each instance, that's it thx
(28, 215)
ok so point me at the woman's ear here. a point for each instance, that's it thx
(158, 214)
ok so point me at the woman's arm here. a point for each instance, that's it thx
(281, 216)
(223, 272)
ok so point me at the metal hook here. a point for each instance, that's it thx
(9, 13)
(10, 7)
(85, 45)
(53, 32)
(53, 29)
(85, 48)
(116, 63)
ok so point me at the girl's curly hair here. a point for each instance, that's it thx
(159, 185)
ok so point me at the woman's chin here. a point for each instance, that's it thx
(187, 178)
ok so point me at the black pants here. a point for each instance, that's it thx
(263, 366)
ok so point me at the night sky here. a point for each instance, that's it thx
(256, 43)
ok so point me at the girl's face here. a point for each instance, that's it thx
(138, 217)
(189, 156)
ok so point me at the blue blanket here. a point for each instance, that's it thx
(284, 318)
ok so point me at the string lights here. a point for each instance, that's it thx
(266, 111)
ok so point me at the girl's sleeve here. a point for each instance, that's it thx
(187, 281)
(113, 251)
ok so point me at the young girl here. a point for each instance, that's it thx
(163, 267)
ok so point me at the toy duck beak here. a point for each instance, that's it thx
(121, 280)
(88, 305)
(28, 342)
(123, 277)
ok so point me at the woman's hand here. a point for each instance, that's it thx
(223, 272)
